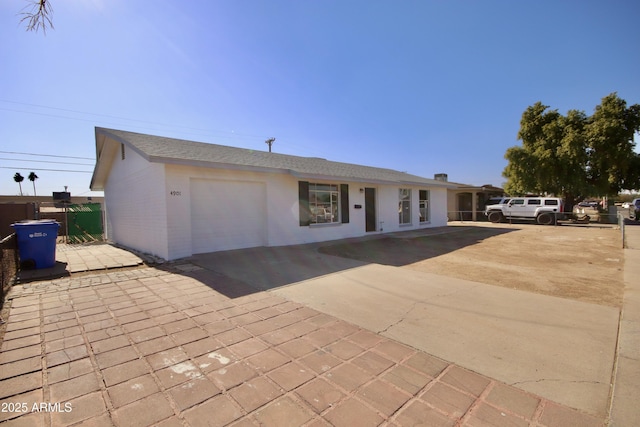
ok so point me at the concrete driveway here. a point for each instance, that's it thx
(560, 349)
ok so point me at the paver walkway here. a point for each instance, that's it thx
(154, 347)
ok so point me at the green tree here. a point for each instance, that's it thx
(32, 177)
(575, 156)
(18, 178)
(612, 163)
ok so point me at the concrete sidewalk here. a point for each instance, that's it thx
(561, 349)
(625, 410)
(164, 346)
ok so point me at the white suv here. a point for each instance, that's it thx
(544, 210)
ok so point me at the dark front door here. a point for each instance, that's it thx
(370, 208)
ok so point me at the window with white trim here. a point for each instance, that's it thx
(324, 202)
(424, 206)
(404, 206)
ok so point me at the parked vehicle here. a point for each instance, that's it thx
(585, 212)
(543, 210)
(634, 210)
(590, 204)
(497, 201)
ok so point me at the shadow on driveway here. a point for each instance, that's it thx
(245, 271)
(399, 251)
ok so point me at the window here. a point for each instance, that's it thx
(517, 202)
(424, 206)
(551, 202)
(404, 206)
(122, 151)
(533, 202)
(323, 203)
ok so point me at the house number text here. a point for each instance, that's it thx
(176, 193)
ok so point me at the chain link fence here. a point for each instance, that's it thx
(617, 217)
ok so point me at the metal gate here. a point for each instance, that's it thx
(84, 223)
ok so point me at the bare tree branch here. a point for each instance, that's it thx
(38, 15)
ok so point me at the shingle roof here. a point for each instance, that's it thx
(169, 150)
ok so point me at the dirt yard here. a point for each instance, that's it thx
(579, 262)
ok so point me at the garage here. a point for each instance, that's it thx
(227, 215)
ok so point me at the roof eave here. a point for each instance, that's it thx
(326, 177)
(214, 165)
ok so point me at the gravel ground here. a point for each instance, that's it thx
(580, 262)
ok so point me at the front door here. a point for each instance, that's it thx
(370, 208)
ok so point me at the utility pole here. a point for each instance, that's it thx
(269, 142)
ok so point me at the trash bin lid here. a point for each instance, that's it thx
(32, 222)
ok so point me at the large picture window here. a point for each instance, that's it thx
(404, 206)
(424, 206)
(324, 203)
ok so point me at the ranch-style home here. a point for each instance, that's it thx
(174, 198)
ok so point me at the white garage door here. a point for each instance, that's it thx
(227, 215)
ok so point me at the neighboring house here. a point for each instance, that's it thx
(467, 202)
(173, 198)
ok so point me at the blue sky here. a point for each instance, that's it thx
(418, 86)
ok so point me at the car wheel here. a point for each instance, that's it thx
(495, 216)
(545, 218)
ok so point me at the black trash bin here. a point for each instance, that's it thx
(37, 243)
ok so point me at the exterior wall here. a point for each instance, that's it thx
(178, 213)
(282, 208)
(388, 199)
(136, 204)
(438, 207)
(284, 221)
(452, 201)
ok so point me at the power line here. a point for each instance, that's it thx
(46, 155)
(171, 127)
(45, 161)
(39, 169)
(95, 114)
(145, 122)
(145, 126)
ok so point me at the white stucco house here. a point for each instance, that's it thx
(174, 198)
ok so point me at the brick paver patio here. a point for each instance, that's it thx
(152, 347)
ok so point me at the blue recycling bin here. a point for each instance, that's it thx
(36, 243)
